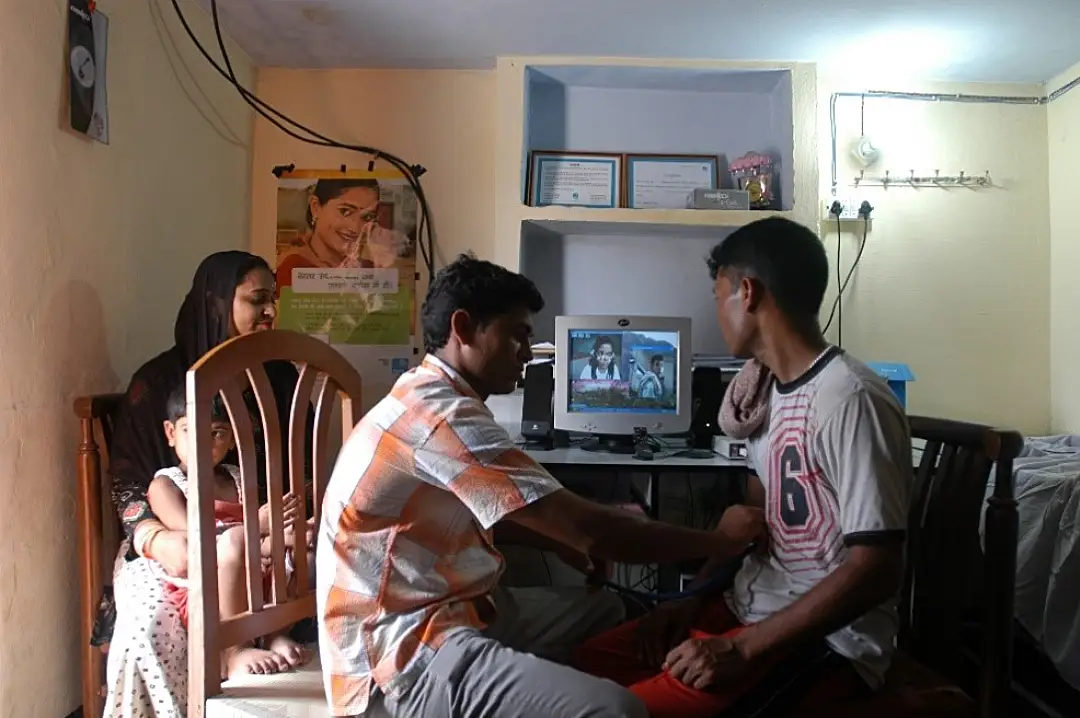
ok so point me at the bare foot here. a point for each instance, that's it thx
(289, 650)
(241, 660)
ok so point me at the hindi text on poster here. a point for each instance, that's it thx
(337, 280)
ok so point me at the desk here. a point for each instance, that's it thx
(663, 462)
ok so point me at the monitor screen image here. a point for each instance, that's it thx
(622, 371)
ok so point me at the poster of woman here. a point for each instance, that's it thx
(346, 259)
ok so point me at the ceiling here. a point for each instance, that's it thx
(964, 40)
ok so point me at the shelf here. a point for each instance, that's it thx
(655, 106)
(666, 222)
(667, 111)
(619, 272)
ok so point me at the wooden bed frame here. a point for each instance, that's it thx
(950, 485)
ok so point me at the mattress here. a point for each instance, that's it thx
(1047, 475)
(296, 694)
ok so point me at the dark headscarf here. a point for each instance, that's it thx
(139, 448)
(204, 318)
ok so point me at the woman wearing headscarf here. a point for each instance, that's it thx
(231, 294)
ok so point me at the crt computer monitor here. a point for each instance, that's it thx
(615, 374)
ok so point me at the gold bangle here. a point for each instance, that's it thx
(138, 536)
(151, 534)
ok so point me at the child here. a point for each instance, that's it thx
(602, 364)
(168, 500)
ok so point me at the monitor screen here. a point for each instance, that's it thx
(622, 371)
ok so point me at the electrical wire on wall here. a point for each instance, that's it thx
(838, 304)
(837, 311)
(962, 98)
(425, 236)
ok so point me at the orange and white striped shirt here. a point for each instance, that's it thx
(406, 542)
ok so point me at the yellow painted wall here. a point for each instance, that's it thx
(1063, 147)
(973, 288)
(98, 245)
(954, 282)
(441, 119)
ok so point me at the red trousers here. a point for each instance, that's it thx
(614, 655)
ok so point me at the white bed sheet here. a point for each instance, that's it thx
(1048, 553)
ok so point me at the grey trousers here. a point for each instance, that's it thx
(513, 670)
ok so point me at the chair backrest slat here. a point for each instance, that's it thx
(950, 580)
(321, 450)
(233, 369)
(299, 457)
(204, 662)
(233, 396)
(271, 428)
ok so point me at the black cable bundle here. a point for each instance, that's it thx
(837, 311)
(412, 173)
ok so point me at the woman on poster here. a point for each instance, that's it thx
(344, 231)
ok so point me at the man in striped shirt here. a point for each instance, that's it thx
(412, 621)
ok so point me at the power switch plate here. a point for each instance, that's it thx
(849, 208)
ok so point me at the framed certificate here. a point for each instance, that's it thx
(666, 181)
(574, 179)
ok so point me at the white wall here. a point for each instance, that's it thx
(98, 245)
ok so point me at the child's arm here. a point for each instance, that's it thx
(265, 546)
(291, 508)
(168, 503)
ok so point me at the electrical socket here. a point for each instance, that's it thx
(849, 208)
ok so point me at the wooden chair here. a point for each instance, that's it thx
(230, 369)
(952, 581)
(99, 535)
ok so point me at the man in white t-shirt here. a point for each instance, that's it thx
(832, 456)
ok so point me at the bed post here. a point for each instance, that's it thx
(1000, 578)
